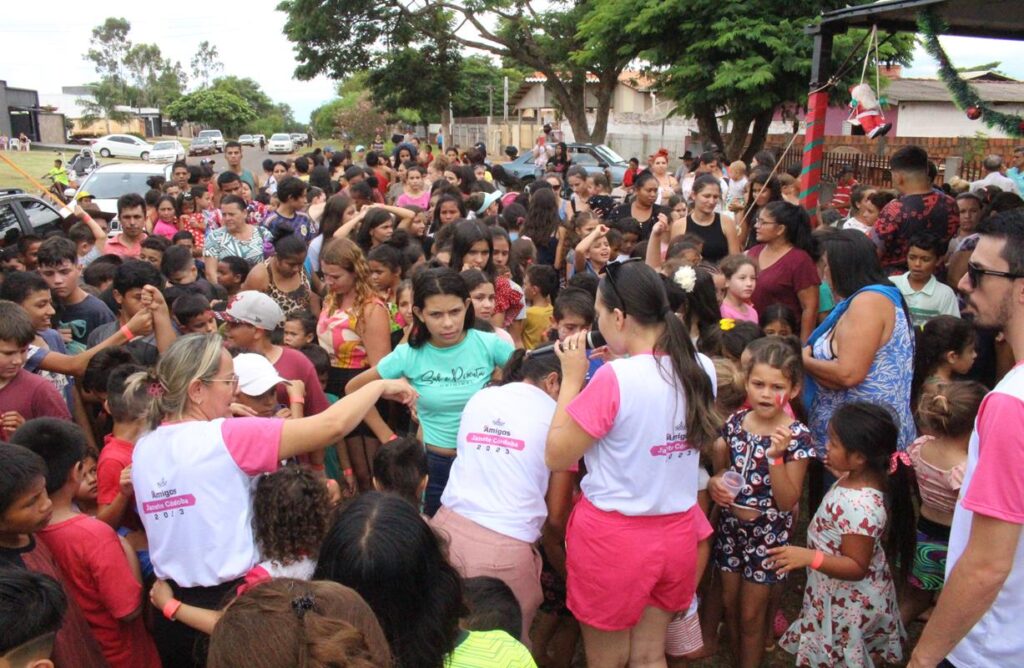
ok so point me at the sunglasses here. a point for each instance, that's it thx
(974, 274)
(611, 270)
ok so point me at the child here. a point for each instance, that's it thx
(944, 351)
(204, 205)
(299, 329)
(231, 274)
(728, 338)
(481, 291)
(403, 299)
(115, 497)
(583, 223)
(193, 315)
(166, 224)
(735, 195)
(740, 280)
(84, 500)
(257, 388)
(152, 250)
(593, 252)
(89, 237)
(857, 197)
(97, 571)
(779, 320)
(946, 414)
(492, 606)
(926, 296)
(769, 451)
(400, 467)
(850, 616)
(541, 288)
(23, 395)
(630, 233)
(336, 460)
(78, 311)
(630, 175)
(191, 219)
(524, 253)
(32, 609)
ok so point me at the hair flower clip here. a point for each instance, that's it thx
(726, 324)
(156, 389)
(685, 277)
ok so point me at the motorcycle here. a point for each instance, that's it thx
(83, 164)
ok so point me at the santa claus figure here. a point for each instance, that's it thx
(867, 112)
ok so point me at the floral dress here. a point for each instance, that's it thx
(220, 244)
(844, 623)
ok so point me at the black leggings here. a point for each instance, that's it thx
(179, 645)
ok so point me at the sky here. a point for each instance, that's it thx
(43, 51)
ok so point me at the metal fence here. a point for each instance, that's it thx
(873, 169)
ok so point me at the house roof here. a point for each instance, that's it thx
(933, 90)
(632, 78)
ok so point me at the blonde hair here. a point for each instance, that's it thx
(731, 382)
(739, 166)
(949, 409)
(162, 392)
(346, 254)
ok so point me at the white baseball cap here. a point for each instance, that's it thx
(253, 308)
(256, 375)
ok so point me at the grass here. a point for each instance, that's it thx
(37, 163)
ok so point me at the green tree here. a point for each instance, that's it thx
(353, 90)
(108, 47)
(154, 81)
(416, 80)
(212, 108)
(478, 77)
(536, 35)
(205, 62)
(726, 63)
(248, 90)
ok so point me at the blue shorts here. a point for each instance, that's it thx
(742, 546)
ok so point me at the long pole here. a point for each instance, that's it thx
(64, 210)
(814, 136)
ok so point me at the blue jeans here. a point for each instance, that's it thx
(438, 469)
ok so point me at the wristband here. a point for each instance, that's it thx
(394, 437)
(297, 400)
(778, 461)
(127, 332)
(819, 559)
(171, 608)
(346, 472)
(317, 467)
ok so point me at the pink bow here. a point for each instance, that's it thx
(896, 458)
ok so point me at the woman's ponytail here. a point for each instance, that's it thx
(902, 541)
(703, 422)
(525, 366)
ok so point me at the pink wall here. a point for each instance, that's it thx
(836, 115)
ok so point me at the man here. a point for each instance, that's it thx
(78, 311)
(252, 317)
(131, 213)
(993, 166)
(919, 208)
(1017, 171)
(180, 175)
(233, 156)
(228, 183)
(977, 620)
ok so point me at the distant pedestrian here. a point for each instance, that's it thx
(24, 141)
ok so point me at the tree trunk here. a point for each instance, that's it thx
(707, 125)
(738, 135)
(758, 134)
(572, 101)
(605, 92)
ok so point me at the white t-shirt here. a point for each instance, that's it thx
(993, 486)
(642, 463)
(193, 489)
(499, 478)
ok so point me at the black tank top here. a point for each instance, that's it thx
(715, 244)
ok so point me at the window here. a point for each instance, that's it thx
(41, 216)
(8, 225)
(583, 158)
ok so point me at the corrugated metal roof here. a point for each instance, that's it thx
(933, 90)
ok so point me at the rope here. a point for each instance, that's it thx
(770, 175)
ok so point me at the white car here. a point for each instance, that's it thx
(247, 140)
(108, 182)
(280, 143)
(122, 146)
(167, 151)
(215, 136)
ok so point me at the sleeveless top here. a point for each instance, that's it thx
(336, 333)
(715, 244)
(288, 301)
(939, 488)
(887, 384)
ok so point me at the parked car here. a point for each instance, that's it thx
(300, 139)
(588, 156)
(167, 151)
(280, 143)
(202, 146)
(216, 136)
(248, 140)
(122, 146)
(21, 213)
(257, 138)
(108, 182)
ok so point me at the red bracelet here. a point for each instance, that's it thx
(778, 461)
(127, 332)
(819, 559)
(394, 437)
(297, 400)
(347, 472)
(171, 608)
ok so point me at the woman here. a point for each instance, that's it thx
(354, 328)
(494, 506)
(375, 229)
(561, 163)
(473, 248)
(643, 208)
(667, 184)
(786, 273)
(576, 177)
(236, 237)
(960, 246)
(447, 210)
(542, 225)
(762, 190)
(447, 360)
(193, 473)
(381, 547)
(278, 173)
(289, 623)
(640, 424)
(414, 192)
(166, 224)
(716, 229)
(339, 212)
(283, 277)
(864, 350)
(398, 187)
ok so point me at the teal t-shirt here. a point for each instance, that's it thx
(826, 302)
(446, 378)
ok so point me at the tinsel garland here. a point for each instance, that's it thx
(964, 95)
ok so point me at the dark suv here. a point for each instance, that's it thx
(21, 213)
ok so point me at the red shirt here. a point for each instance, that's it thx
(293, 365)
(33, 396)
(115, 457)
(934, 212)
(98, 577)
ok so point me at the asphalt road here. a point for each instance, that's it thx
(252, 159)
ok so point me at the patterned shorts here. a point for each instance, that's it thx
(742, 546)
(929, 570)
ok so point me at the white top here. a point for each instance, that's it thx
(641, 463)
(852, 223)
(499, 479)
(1004, 183)
(993, 486)
(193, 488)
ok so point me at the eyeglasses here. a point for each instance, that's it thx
(974, 274)
(611, 270)
(761, 222)
(233, 379)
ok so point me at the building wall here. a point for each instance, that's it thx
(51, 128)
(943, 119)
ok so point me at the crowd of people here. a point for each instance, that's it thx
(401, 409)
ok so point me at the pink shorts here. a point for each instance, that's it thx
(618, 565)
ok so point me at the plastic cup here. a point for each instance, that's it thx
(733, 481)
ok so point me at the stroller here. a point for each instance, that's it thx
(82, 164)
